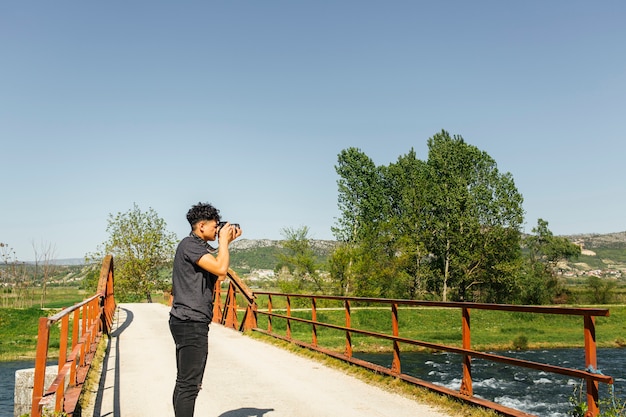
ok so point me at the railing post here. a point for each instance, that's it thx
(62, 358)
(43, 337)
(314, 319)
(348, 351)
(269, 310)
(83, 353)
(231, 307)
(288, 315)
(249, 318)
(75, 324)
(217, 302)
(395, 365)
(466, 383)
(591, 364)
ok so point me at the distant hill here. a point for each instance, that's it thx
(63, 262)
(247, 255)
(602, 254)
(594, 240)
(599, 250)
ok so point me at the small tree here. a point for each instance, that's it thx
(44, 256)
(141, 246)
(601, 290)
(300, 262)
(540, 283)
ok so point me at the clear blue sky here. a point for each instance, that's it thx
(246, 104)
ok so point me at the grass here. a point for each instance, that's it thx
(491, 330)
(56, 297)
(19, 326)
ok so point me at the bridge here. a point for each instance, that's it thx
(246, 377)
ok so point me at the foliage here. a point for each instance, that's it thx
(298, 268)
(415, 228)
(539, 280)
(601, 290)
(360, 196)
(141, 246)
(609, 406)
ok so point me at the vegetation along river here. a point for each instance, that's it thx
(535, 392)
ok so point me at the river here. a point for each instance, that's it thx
(534, 392)
(540, 393)
(7, 384)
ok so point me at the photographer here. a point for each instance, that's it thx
(197, 267)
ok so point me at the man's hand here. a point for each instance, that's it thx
(228, 233)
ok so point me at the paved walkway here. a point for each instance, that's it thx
(244, 377)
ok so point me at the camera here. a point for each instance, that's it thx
(222, 224)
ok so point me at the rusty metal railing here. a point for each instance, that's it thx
(467, 353)
(90, 319)
(225, 312)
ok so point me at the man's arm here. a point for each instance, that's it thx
(219, 264)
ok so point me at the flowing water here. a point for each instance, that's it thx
(7, 384)
(535, 392)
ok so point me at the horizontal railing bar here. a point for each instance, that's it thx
(579, 311)
(53, 319)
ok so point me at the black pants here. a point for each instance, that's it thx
(192, 348)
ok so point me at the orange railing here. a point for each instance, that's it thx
(465, 392)
(225, 312)
(90, 319)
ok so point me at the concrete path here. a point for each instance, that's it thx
(244, 377)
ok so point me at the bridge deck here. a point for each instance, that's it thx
(244, 377)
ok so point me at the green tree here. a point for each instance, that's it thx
(404, 186)
(341, 272)
(360, 197)
(141, 247)
(601, 289)
(473, 218)
(298, 268)
(540, 282)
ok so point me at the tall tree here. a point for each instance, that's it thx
(141, 246)
(360, 197)
(404, 190)
(472, 210)
(362, 206)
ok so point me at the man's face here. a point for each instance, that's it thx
(207, 230)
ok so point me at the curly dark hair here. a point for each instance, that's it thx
(202, 211)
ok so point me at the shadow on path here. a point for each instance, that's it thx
(246, 412)
(127, 316)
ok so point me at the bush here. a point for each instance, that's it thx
(520, 343)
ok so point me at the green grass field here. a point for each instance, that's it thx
(18, 326)
(491, 330)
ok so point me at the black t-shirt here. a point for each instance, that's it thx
(192, 286)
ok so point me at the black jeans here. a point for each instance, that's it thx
(192, 348)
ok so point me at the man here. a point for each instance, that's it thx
(197, 267)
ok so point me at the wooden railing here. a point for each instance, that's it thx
(591, 377)
(90, 319)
